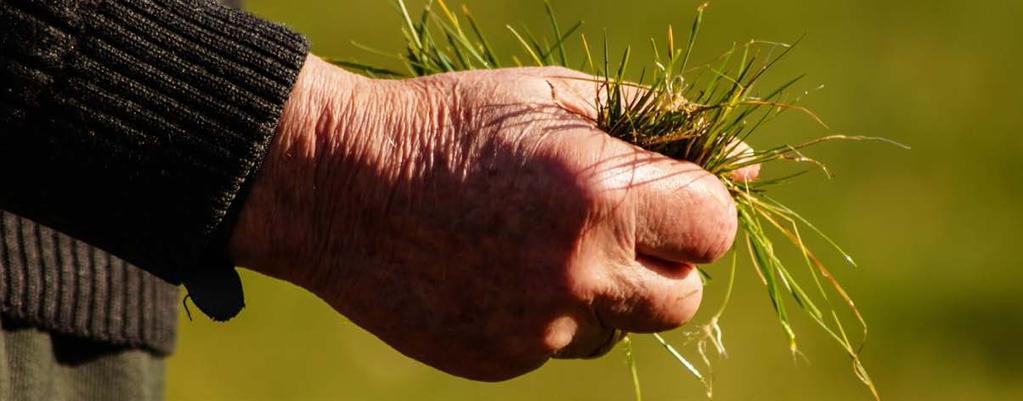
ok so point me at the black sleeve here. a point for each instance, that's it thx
(135, 125)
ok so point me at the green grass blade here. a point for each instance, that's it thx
(678, 356)
(562, 56)
(526, 45)
(630, 360)
(488, 52)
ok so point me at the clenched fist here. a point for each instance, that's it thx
(479, 222)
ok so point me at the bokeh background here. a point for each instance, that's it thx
(936, 230)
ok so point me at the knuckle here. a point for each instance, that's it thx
(669, 311)
(556, 341)
(720, 220)
(603, 199)
(668, 307)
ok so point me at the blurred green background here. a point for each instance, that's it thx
(936, 230)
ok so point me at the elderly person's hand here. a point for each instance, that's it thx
(479, 222)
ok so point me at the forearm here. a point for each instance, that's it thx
(135, 125)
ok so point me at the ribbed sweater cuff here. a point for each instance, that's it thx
(158, 110)
(57, 283)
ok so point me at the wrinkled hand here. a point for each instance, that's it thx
(479, 222)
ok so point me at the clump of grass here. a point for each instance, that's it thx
(699, 114)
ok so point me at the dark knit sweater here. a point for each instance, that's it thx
(134, 126)
(63, 285)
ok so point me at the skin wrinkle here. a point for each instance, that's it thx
(471, 225)
(356, 129)
(472, 221)
(402, 151)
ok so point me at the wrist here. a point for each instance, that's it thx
(273, 232)
(342, 146)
